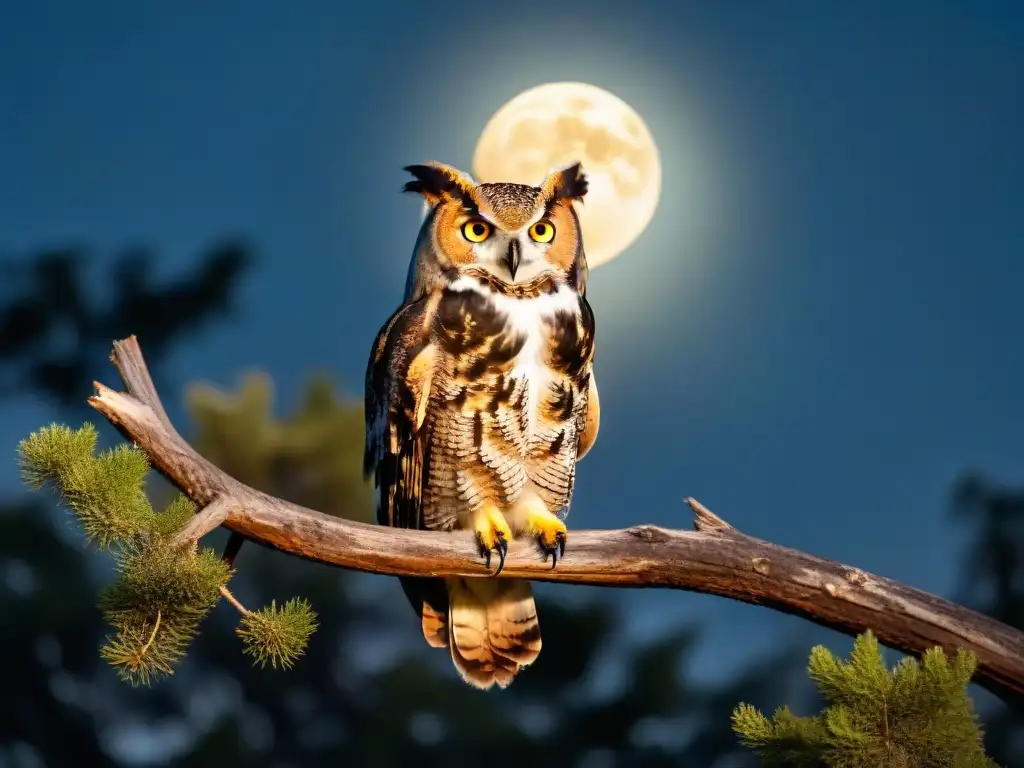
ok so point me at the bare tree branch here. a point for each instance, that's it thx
(205, 520)
(714, 559)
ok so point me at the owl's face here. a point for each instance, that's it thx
(515, 232)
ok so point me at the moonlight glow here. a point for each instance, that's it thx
(556, 124)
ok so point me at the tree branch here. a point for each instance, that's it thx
(208, 518)
(715, 559)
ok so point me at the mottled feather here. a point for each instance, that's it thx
(478, 402)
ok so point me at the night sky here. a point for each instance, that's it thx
(818, 332)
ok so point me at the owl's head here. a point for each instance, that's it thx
(516, 232)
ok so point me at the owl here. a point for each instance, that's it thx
(481, 398)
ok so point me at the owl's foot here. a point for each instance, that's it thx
(551, 532)
(492, 534)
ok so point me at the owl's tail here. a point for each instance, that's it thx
(493, 630)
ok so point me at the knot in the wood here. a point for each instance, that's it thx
(855, 577)
(762, 565)
(649, 533)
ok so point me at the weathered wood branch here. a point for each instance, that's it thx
(205, 520)
(714, 559)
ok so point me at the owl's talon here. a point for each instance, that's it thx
(554, 551)
(492, 535)
(502, 547)
(551, 534)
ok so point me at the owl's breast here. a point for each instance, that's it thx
(508, 386)
(494, 332)
(478, 335)
(516, 352)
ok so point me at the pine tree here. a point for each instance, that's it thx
(313, 456)
(165, 586)
(918, 714)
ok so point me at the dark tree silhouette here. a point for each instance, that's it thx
(54, 332)
(993, 583)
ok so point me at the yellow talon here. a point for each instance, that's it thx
(551, 532)
(492, 533)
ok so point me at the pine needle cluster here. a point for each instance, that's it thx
(917, 714)
(164, 587)
(278, 636)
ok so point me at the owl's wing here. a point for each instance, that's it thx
(397, 389)
(591, 418)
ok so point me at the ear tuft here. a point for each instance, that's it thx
(436, 181)
(567, 184)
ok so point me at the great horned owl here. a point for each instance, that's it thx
(481, 398)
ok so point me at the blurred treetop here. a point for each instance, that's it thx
(313, 457)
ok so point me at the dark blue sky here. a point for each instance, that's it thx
(817, 333)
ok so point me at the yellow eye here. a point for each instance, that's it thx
(476, 231)
(542, 232)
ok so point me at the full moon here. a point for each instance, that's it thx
(555, 125)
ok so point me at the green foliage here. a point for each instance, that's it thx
(313, 457)
(106, 493)
(278, 636)
(176, 515)
(164, 586)
(917, 714)
(156, 604)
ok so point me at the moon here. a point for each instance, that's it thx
(554, 125)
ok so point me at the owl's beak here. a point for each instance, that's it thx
(512, 258)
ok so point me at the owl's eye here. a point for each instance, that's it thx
(542, 232)
(476, 231)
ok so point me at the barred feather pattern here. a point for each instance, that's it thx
(473, 394)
